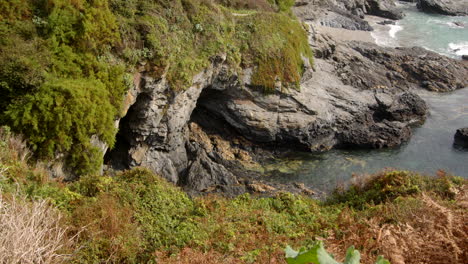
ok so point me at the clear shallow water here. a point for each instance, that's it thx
(430, 149)
(447, 35)
(431, 146)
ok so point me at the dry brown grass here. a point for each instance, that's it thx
(423, 230)
(31, 232)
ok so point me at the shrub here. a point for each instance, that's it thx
(14, 9)
(283, 5)
(110, 232)
(387, 186)
(62, 116)
(23, 68)
(132, 215)
(165, 213)
(247, 4)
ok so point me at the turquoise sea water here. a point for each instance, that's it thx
(447, 35)
(431, 147)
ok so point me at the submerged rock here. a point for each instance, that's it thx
(386, 22)
(461, 137)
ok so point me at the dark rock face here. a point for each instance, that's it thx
(340, 19)
(306, 121)
(384, 8)
(444, 7)
(347, 14)
(461, 137)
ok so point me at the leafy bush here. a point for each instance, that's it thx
(380, 188)
(166, 214)
(283, 5)
(132, 215)
(61, 116)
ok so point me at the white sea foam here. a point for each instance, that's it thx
(394, 29)
(460, 48)
(455, 25)
(382, 38)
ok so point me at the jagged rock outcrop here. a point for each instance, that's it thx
(155, 129)
(324, 114)
(369, 66)
(341, 19)
(461, 137)
(444, 7)
(347, 14)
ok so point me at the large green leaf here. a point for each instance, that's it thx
(318, 255)
(382, 260)
(352, 256)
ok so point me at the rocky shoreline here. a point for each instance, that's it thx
(213, 136)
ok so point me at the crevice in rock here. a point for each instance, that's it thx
(118, 157)
(380, 115)
(210, 121)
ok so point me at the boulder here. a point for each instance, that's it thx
(444, 7)
(461, 137)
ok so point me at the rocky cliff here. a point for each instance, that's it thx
(213, 135)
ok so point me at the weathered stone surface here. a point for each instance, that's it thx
(444, 7)
(461, 137)
(156, 125)
(368, 66)
(339, 19)
(384, 8)
(204, 172)
(325, 113)
(347, 14)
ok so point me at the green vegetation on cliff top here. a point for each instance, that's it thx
(66, 64)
